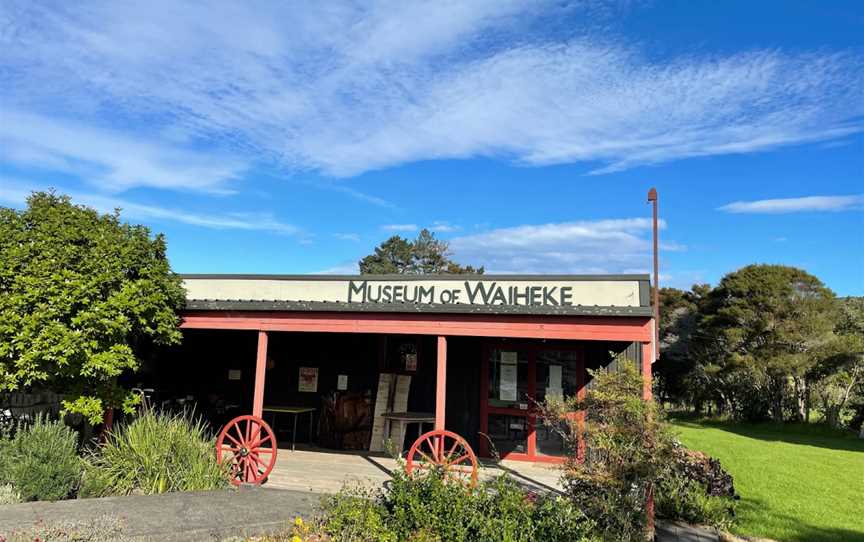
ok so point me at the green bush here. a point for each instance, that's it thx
(155, 453)
(695, 488)
(41, 461)
(428, 509)
(678, 497)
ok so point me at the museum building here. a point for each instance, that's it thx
(363, 362)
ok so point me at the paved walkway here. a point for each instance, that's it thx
(169, 517)
(321, 471)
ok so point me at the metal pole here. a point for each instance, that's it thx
(652, 198)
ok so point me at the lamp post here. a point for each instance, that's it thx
(652, 198)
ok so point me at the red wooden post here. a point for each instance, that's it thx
(441, 382)
(647, 359)
(260, 373)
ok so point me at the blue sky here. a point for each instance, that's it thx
(295, 137)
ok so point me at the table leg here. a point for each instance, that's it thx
(387, 429)
(294, 434)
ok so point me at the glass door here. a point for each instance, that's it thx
(507, 399)
(515, 378)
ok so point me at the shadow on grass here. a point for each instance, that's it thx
(799, 531)
(792, 433)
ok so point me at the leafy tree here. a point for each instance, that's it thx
(422, 256)
(81, 294)
(679, 314)
(762, 331)
(839, 376)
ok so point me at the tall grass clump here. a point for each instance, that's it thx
(40, 462)
(155, 453)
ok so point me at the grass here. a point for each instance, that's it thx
(797, 482)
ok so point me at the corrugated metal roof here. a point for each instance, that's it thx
(323, 306)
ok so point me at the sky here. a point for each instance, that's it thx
(296, 136)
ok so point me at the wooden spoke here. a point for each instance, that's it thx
(458, 463)
(240, 442)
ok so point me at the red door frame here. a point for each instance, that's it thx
(531, 348)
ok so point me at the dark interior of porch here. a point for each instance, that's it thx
(336, 377)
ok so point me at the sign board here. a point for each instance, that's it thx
(342, 382)
(536, 291)
(308, 381)
(234, 374)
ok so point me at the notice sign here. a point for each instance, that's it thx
(554, 388)
(308, 381)
(508, 375)
(342, 382)
(411, 362)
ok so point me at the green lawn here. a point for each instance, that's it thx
(796, 482)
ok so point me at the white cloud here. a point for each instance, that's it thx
(347, 236)
(16, 193)
(343, 88)
(442, 226)
(796, 205)
(399, 227)
(108, 158)
(591, 246)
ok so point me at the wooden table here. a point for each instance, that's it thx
(296, 411)
(405, 418)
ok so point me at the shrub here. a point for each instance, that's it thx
(678, 497)
(428, 509)
(626, 445)
(696, 489)
(41, 461)
(155, 453)
(630, 455)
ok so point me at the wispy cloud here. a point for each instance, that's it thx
(399, 227)
(598, 246)
(342, 88)
(347, 236)
(109, 158)
(15, 193)
(796, 205)
(442, 226)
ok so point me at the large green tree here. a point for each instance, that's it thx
(81, 294)
(424, 255)
(761, 333)
(674, 371)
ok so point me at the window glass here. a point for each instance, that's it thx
(508, 434)
(557, 373)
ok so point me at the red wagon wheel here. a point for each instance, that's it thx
(447, 452)
(248, 444)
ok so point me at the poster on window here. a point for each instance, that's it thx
(507, 386)
(554, 389)
(308, 381)
(411, 362)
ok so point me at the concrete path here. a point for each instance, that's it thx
(321, 471)
(673, 531)
(205, 515)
